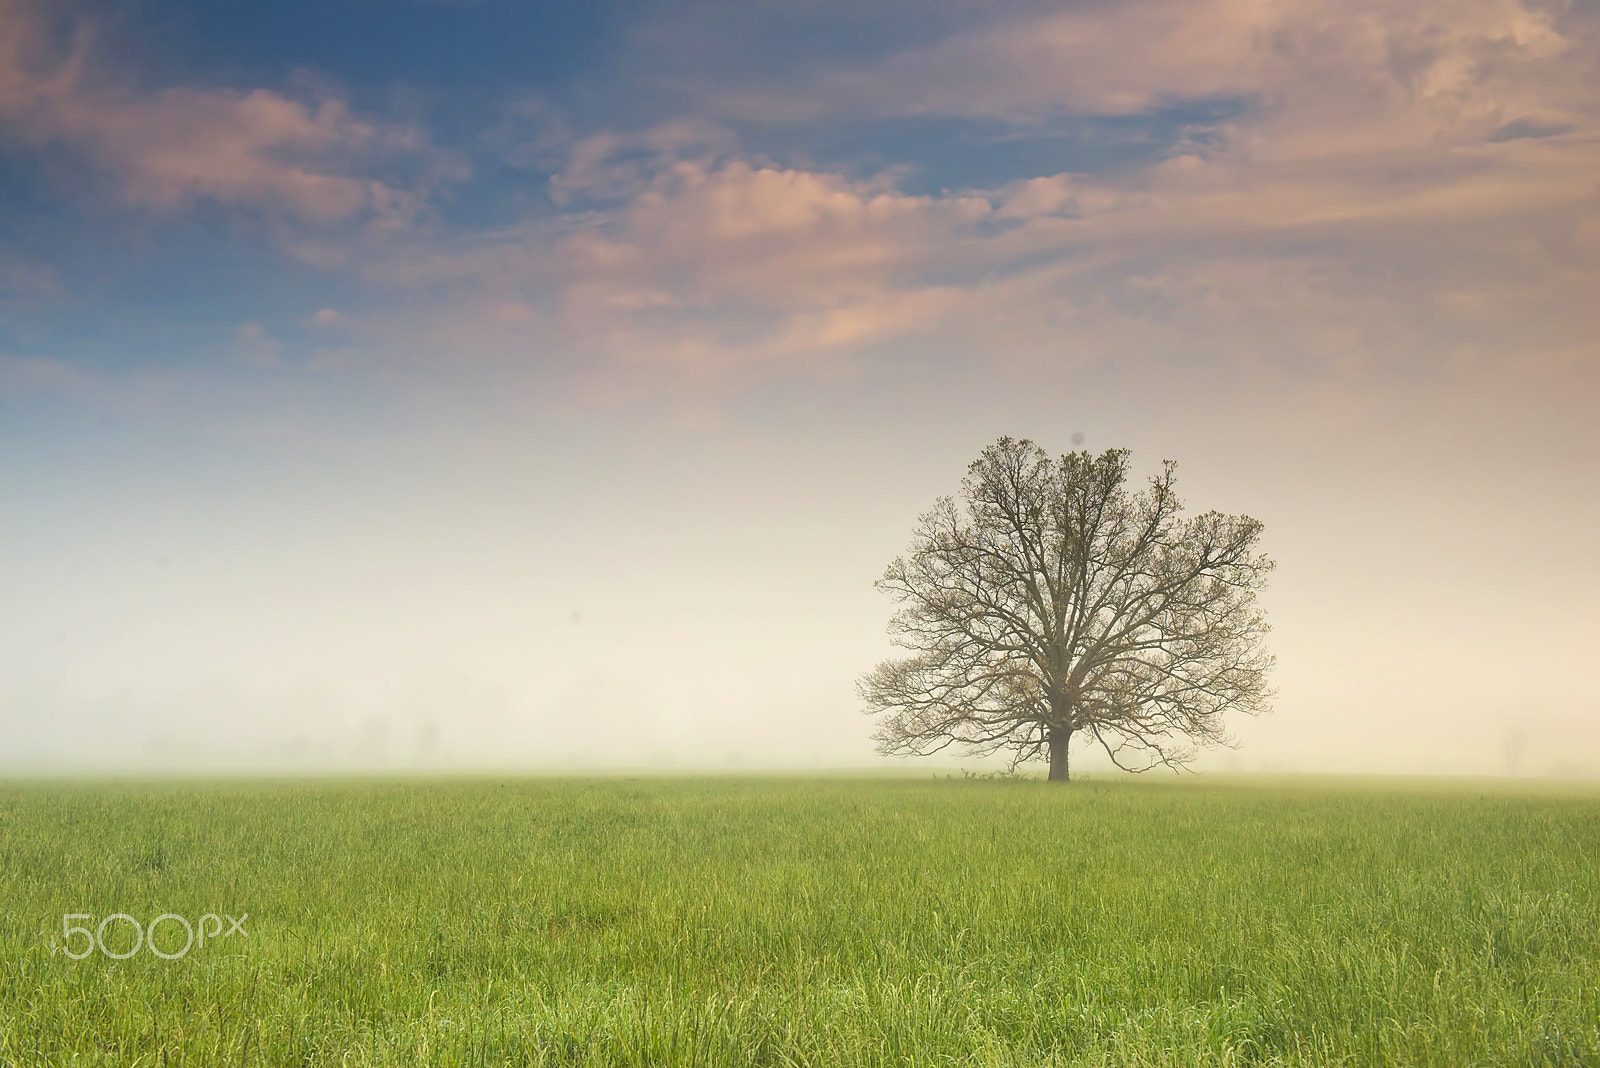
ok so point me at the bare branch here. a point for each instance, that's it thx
(1052, 600)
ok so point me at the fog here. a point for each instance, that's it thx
(640, 593)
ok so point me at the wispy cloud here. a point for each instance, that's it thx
(301, 157)
(1130, 56)
(35, 376)
(1418, 167)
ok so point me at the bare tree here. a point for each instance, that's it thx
(1055, 602)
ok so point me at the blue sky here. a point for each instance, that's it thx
(348, 350)
(490, 102)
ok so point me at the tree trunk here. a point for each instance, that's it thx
(1059, 740)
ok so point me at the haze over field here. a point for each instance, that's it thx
(435, 385)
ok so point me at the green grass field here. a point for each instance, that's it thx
(804, 921)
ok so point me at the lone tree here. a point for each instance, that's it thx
(1053, 601)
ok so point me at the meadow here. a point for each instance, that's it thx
(803, 921)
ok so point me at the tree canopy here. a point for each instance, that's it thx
(1052, 602)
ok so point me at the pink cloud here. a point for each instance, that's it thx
(166, 149)
(1378, 135)
(713, 264)
(1127, 56)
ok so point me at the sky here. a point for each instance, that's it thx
(405, 385)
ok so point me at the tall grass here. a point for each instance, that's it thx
(794, 921)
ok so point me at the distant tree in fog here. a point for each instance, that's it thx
(1054, 602)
